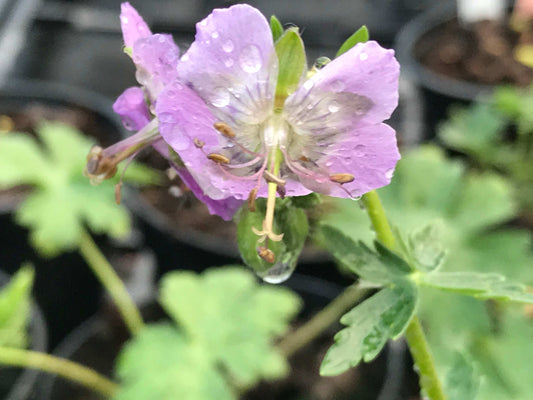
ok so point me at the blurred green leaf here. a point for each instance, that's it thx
(462, 380)
(62, 200)
(292, 62)
(160, 363)
(232, 318)
(15, 308)
(382, 266)
(276, 27)
(359, 36)
(426, 249)
(370, 324)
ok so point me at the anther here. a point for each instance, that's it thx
(118, 193)
(304, 159)
(225, 129)
(251, 199)
(342, 178)
(198, 143)
(218, 158)
(271, 178)
(281, 191)
(98, 166)
(266, 254)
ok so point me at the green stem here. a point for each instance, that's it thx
(416, 340)
(63, 368)
(112, 283)
(321, 321)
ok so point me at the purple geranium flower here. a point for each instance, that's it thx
(156, 58)
(237, 139)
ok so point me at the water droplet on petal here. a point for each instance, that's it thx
(279, 273)
(203, 22)
(389, 173)
(185, 58)
(166, 117)
(207, 42)
(308, 85)
(228, 62)
(329, 164)
(220, 97)
(333, 107)
(337, 86)
(228, 46)
(363, 56)
(250, 59)
(124, 19)
(180, 142)
(214, 35)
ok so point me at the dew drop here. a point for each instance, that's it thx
(124, 19)
(389, 173)
(250, 59)
(337, 86)
(228, 46)
(207, 42)
(214, 35)
(220, 97)
(279, 273)
(333, 107)
(203, 22)
(185, 58)
(180, 142)
(166, 117)
(329, 164)
(228, 62)
(308, 85)
(363, 56)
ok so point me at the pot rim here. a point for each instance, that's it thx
(415, 71)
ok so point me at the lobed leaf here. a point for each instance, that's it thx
(370, 324)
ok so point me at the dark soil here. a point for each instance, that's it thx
(481, 53)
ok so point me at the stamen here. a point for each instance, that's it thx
(218, 158)
(118, 193)
(198, 143)
(271, 178)
(225, 129)
(342, 178)
(251, 199)
(266, 254)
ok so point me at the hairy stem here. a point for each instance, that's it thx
(416, 340)
(111, 282)
(321, 321)
(63, 368)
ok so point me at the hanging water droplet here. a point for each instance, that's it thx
(333, 107)
(250, 59)
(228, 62)
(220, 97)
(363, 56)
(214, 35)
(228, 46)
(279, 273)
(337, 86)
(389, 173)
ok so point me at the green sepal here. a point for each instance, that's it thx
(382, 266)
(276, 27)
(369, 325)
(309, 201)
(15, 303)
(292, 63)
(360, 36)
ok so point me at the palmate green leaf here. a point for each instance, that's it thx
(462, 380)
(382, 266)
(359, 36)
(15, 308)
(370, 324)
(477, 284)
(232, 318)
(160, 363)
(62, 201)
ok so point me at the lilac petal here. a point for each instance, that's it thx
(184, 118)
(232, 65)
(366, 70)
(224, 208)
(156, 57)
(370, 154)
(132, 109)
(133, 26)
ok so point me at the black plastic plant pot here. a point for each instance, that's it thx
(64, 286)
(21, 384)
(96, 343)
(438, 91)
